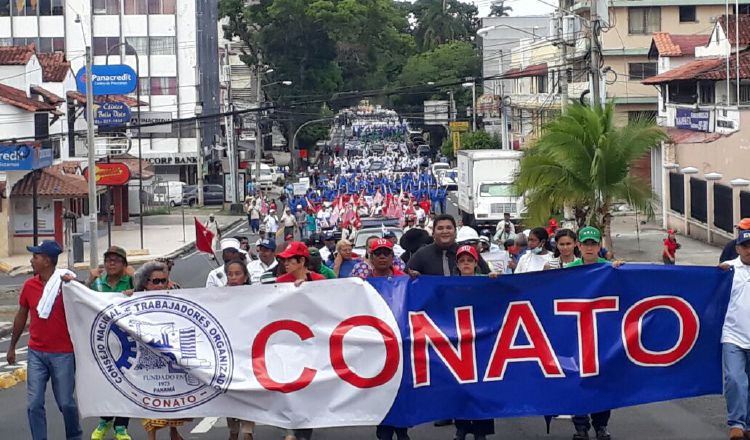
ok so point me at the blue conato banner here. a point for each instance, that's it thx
(401, 351)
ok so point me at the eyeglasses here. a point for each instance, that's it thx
(157, 281)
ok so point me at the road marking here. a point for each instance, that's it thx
(205, 425)
(7, 338)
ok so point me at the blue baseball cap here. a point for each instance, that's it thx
(743, 237)
(47, 247)
(268, 244)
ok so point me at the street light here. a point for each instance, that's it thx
(473, 86)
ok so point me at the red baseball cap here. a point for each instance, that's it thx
(295, 249)
(380, 243)
(744, 224)
(468, 249)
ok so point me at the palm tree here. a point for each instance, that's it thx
(581, 159)
(498, 9)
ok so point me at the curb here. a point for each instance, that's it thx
(134, 259)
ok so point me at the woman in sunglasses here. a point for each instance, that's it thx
(155, 276)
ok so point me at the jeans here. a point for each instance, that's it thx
(599, 420)
(385, 432)
(736, 362)
(118, 421)
(237, 426)
(254, 225)
(60, 368)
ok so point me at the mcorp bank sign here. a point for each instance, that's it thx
(108, 79)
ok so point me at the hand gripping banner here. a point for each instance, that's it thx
(401, 351)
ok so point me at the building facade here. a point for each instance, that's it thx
(167, 51)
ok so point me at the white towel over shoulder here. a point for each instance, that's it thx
(51, 290)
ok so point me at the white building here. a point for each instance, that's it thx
(163, 32)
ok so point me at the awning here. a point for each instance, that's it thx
(533, 70)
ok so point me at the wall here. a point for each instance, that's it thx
(15, 122)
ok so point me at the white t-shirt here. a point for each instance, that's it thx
(530, 262)
(736, 324)
(257, 268)
(217, 277)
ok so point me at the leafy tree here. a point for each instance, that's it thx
(498, 9)
(583, 160)
(472, 140)
(436, 25)
(444, 64)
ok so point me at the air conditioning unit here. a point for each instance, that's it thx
(571, 27)
(555, 26)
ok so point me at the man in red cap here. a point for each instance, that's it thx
(381, 257)
(295, 258)
(730, 252)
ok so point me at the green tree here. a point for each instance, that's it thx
(436, 25)
(583, 160)
(445, 63)
(472, 140)
(498, 9)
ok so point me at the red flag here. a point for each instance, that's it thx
(203, 238)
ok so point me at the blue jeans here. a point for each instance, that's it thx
(61, 368)
(736, 362)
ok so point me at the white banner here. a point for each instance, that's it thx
(323, 354)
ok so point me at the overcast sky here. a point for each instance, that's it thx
(520, 7)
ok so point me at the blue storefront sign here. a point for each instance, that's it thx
(24, 157)
(112, 114)
(109, 79)
(696, 120)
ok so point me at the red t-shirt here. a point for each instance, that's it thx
(672, 246)
(289, 278)
(49, 335)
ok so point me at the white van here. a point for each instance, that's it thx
(169, 192)
(267, 175)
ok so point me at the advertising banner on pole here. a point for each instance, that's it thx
(108, 79)
(402, 351)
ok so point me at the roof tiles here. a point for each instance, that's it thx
(54, 66)
(53, 181)
(729, 28)
(18, 98)
(16, 55)
(669, 45)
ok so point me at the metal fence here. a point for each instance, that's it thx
(723, 218)
(676, 193)
(698, 200)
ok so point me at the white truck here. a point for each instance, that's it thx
(485, 186)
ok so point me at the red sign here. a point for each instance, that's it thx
(303, 154)
(110, 174)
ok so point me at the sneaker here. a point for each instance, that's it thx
(101, 430)
(121, 433)
(603, 434)
(736, 434)
(581, 435)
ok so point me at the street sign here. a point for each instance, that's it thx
(436, 112)
(110, 174)
(459, 126)
(23, 157)
(151, 118)
(108, 79)
(112, 114)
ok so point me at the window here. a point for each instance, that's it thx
(687, 14)
(102, 45)
(745, 94)
(708, 92)
(644, 20)
(162, 46)
(641, 71)
(107, 7)
(136, 7)
(24, 8)
(4, 8)
(140, 44)
(744, 9)
(541, 84)
(56, 44)
(51, 7)
(6, 42)
(161, 6)
(163, 86)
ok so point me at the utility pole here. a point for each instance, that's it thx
(563, 71)
(258, 131)
(596, 99)
(93, 234)
(229, 128)
(199, 142)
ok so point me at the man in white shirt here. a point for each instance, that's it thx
(266, 260)
(271, 224)
(506, 220)
(735, 341)
(230, 250)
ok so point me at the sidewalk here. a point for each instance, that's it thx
(163, 235)
(627, 246)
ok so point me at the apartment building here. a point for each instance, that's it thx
(174, 66)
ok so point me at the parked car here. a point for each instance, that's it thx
(169, 192)
(212, 195)
(424, 151)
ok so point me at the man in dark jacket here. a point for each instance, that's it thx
(439, 258)
(729, 252)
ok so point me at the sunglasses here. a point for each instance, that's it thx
(157, 281)
(382, 252)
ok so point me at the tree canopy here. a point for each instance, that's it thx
(498, 9)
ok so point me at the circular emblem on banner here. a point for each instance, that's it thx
(162, 352)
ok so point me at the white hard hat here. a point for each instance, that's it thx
(467, 234)
(229, 243)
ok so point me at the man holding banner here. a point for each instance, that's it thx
(735, 340)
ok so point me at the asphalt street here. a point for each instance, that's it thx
(698, 418)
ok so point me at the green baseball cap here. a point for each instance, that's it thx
(589, 233)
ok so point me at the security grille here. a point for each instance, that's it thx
(723, 207)
(698, 209)
(676, 193)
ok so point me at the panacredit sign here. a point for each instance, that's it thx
(110, 174)
(108, 79)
